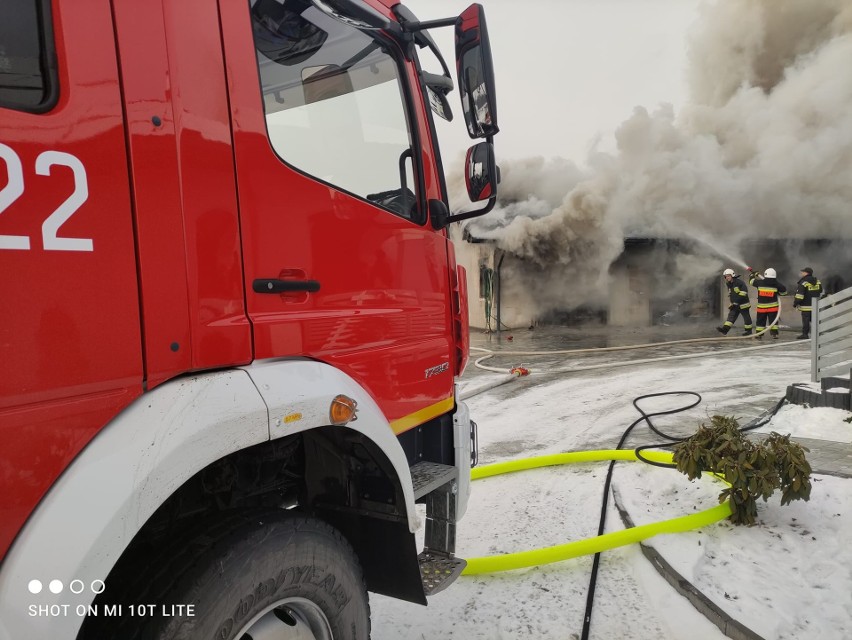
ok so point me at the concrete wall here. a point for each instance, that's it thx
(515, 303)
(471, 256)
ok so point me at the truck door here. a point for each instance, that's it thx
(340, 262)
(70, 346)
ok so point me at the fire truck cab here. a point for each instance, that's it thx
(231, 314)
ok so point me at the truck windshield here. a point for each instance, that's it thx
(334, 103)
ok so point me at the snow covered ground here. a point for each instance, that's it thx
(819, 423)
(787, 577)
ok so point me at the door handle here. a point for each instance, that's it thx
(274, 285)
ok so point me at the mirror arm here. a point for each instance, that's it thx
(465, 215)
(422, 37)
(413, 27)
(440, 219)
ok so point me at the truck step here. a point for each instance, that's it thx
(428, 476)
(438, 570)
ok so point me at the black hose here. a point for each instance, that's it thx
(672, 440)
(756, 423)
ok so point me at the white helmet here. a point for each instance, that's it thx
(728, 272)
(770, 273)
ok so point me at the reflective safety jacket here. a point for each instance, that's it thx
(738, 292)
(768, 290)
(808, 288)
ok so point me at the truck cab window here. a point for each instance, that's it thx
(334, 103)
(27, 70)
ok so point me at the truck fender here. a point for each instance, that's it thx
(89, 517)
(298, 394)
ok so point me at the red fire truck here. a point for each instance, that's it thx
(231, 314)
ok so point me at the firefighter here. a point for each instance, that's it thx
(738, 294)
(808, 289)
(768, 303)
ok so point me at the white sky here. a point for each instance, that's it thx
(569, 71)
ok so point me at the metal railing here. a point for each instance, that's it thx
(831, 340)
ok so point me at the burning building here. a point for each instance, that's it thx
(755, 169)
(649, 283)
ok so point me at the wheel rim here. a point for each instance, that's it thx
(288, 619)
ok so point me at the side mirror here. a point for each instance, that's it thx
(437, 87)
(480, 176)
(475, 70)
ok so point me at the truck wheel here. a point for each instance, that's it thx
(272, 577)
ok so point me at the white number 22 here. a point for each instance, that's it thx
(14, 189)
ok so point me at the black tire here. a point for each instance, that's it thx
(289, 571)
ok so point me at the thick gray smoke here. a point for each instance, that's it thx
(763, 151)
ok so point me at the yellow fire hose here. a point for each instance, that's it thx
(559, 552)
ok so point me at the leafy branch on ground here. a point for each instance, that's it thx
(753, 469)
